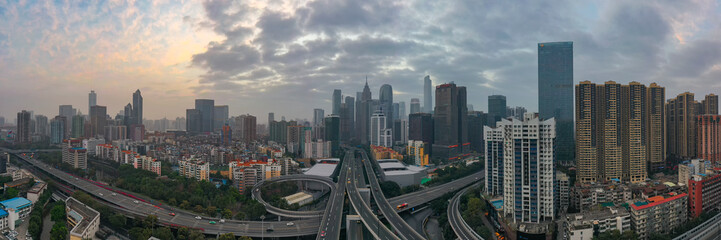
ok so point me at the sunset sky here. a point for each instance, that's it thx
(288, 56)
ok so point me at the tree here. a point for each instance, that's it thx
(150, 221)
(227, 236)
(117, 220)
(227, 213)
(10, 193)
(163, 233)
(59, 231)
(58, 212)
(245, 238)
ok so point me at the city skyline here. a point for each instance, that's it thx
(188, 56)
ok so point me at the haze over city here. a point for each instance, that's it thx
(288, 56)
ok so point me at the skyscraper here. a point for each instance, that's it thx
(347, 118)
(78, 126)
(57, 129)
(138, 107)
(555, 93)
(427, 95)
(496, 109)
(401, 110)
(23, 127)
(318, 115)
(450, 122)
(98, 119)
(41, 125)
(420, 127)
(415, 105)
(92, 100)
(271, 118)
(193, 121)
(709, 104)
(656, 135)
(528, 172)
(378, 126)
(364, 116)
(68, 112)
(207, 115)
(681, 126)
(386, 103)
(615, 132)
(332, 132)
(709, 137)
(336, 101)
(226, 135)
(476, 121)
(220, 117)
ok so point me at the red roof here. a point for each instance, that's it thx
(657, 202)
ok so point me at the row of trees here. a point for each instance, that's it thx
(36, 214)
(454, 172)
(474, 209)
(60, 228)
(392, 189)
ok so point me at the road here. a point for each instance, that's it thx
(455, 218)
(368, 217)
(290, 213)
(389, 211)
(139, 207)
(421, 197)
(331, 224)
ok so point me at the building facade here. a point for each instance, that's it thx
(555, 93)
(709, 137)
(450, 122)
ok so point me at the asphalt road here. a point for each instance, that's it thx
(389, 211)
(331, 224)
(455, 218)
(421, 197)
(370, 220)
(290, 213)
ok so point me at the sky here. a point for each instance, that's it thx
(287, 56)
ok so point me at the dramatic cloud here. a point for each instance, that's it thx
(287, 56)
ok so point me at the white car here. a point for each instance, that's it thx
(222, 220)
(101, 194)
(114, 194)
(198, 217)
(290, 224)
(136, 201)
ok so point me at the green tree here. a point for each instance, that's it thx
(58, 212)
(10, 193)
(150, 221)
(227, 236)
(59, 231)
(163, 233)
(117, 220)
(227, 213)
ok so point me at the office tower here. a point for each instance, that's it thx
(350, 109)
(400, 131)
(681, 126)
(415, 105)
(23, 127)
(206, 107)
(709, 137)
(496, 109)
(57, 129)
(528, 167)
(137, 107)
(332, 132)
(117, 132)
(401, 110)
(78, 126)
(98, 118)
(68, 112)
(427, 95)
(41, 125)
(92, 100)
(615, 134)
(476, 121)
(655, 133)
(396, 113)
(318, 115)
(516, 112)
(344, 123)
(193, 121)
(470, 107)
(378, 126)
(364, 115)
(555, 93)
(336, 101)
(450, 122)
(220, 117)
(385, 99)
(226, 136)
(420, 127)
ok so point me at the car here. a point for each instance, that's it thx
(322, 233)
(171, 214)
(198, 217)
(212, 222)
(115, 194)
(289, 224)
(222, 220)
(269, 230)
(402, 206)
(136, 201)
(101, 194)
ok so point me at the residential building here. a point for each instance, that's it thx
(555, 93)
(586, 225)
(220, 117)
(689, 168)
(562, 193)
(194, 168)
(17, 208)
(317, 149)
(494, 156)
(659, 214)
(703, 193)
(708, 135)
(528, 168)
(57, 129)
(584, 197)
(23, 127)
(681, 126)
(381, 152)
(83, 220)
(616, 131)
(91, 143)
(416, 150)
(709, 105)
(226, 136)
(147, 163)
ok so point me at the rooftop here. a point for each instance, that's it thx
(82, 214)
(655, 201)
(16, 203)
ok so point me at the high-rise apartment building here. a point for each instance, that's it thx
(617, 133)
(220, 117)
(415, 105)
(528, 168)
(226, 136)
(450, 122)
(68, 112)
(681, 126)
(427, 95)
(709, 105)
(57, 129)
(92, 100)
(496, 109)
(23, 127)
(41, 125)
(378, 126)
(708, 136)
(655, 133)
(78, 126)
(555, 93)
(193, 121)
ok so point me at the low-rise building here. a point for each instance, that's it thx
(583, 226)
(658, 214)
(37, 190)
(417, 150)
(380, 152)
(688, 169)
(193, 168)
(563, 184)
(83, 220)
(586, 196)
(17, 209)
(147, 163)
(300, 198)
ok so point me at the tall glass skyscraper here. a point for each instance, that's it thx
(555, 93)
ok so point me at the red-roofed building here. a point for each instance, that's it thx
(658, 214)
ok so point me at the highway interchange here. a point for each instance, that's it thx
(327, 227)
